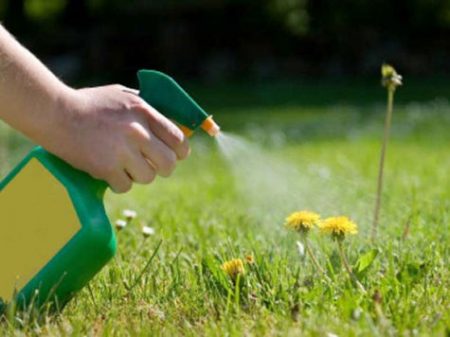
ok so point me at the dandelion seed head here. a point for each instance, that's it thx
(302, 221)
(338, 226)
(233, 268)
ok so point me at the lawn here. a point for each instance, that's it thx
(310, 147)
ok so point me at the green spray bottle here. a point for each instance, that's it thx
(55, 234)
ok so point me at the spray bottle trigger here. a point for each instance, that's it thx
(186, 131)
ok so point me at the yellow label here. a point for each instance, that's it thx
(37, 219)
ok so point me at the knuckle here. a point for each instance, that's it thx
(131, 103)
(137, 103)
(117, 86)
(131, 130)
(125, 105)
(137, 131)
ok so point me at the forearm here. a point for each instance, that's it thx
(30, 95)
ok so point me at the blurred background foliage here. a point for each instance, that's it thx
(227, 40)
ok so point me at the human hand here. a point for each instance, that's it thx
(114, 135)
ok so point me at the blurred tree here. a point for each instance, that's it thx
(293, 14)
(39, 10)
(221, 39)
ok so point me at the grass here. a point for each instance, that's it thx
(171, 283)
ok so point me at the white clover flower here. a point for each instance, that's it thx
(129, 214)
(147, 231)
(120, 224)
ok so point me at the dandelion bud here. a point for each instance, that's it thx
(249, 259)
(390, 78)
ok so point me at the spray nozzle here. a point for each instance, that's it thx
(210, 127)
(169, 98)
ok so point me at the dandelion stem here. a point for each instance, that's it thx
(312, 256)
(387, 126)
(344, 258)
(348, 268)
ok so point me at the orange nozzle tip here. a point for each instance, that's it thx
(186, 131)
(210, 127)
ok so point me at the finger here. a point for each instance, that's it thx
(131, 91)
(166, 131)
(160, 155)
(120, 182)
(140, 170)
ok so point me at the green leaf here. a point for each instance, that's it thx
(365, 261)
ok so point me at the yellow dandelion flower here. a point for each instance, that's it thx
(338, 226)
(233, 267)
(302, 221)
